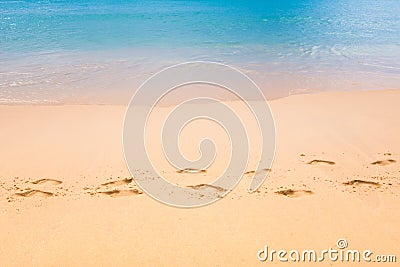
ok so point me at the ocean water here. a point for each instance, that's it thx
(100, 51)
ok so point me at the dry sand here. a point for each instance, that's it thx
(67, 199)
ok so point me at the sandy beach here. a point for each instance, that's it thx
(67, 198)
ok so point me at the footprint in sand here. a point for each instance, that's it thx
(111, 189)
(38, 192)
(362, 182)
(294, 193)
(321, 162)
(263, 170)
(207, 191)
(122, 193)
(118, 183)
(191, 170)
(32, 193)
(47, 181)
(383, 162)
(203, 186)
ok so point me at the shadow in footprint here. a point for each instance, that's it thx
(261, 171)
(294, 193)
(383, 162)
(122, 193)
(362, 182)
(321, 162)
(118, 183)
(202, 186)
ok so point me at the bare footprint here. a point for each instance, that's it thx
(294, 193)
(201, 186)
(47, 181)
(362, 182)
(321, 162)
(31, 193)
(383, 162)
(122, 193)
(191, 170)
(118, 183)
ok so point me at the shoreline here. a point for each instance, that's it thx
(355, 91)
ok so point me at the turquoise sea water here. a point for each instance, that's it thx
(99, 51)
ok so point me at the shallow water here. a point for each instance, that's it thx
(101, 51)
